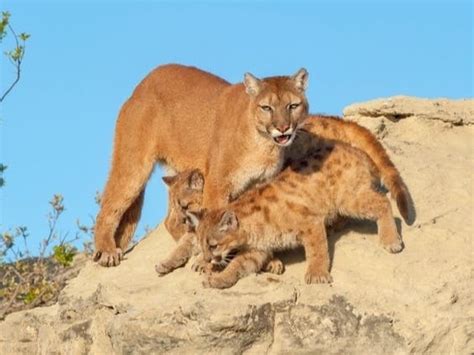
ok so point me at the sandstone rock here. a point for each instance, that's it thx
(418, 301)
(455, 112)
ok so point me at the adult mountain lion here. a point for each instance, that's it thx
(187, 118)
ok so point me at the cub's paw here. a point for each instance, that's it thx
(162, 268)
(217, 281)
(319, 277)
(165, 267)
(275, 266)
(107, 259)
(201, 266)
(394, 246)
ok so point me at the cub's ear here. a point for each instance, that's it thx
(252, 84)
(196, 180)
(301, 79)
(169, 180)
(194, 218)
(228, 222)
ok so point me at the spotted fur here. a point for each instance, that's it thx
(334, 179)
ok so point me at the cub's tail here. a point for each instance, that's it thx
(330, 127)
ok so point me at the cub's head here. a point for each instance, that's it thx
(278, 104)
(218, 234)
(184, 195)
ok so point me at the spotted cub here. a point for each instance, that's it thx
(334, 179)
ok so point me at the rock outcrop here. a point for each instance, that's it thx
(418, 301)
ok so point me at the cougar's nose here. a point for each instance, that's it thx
(283, 127)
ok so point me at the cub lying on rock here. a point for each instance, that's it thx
(185, 196)
(334, 179)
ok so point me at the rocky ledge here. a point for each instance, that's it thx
(418, 301)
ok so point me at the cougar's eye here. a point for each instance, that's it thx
(212, 245)
(292, 107)
(265, 108)
(183, 204)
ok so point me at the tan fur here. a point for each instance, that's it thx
(187, 118)
(292, 210)
(331, 127)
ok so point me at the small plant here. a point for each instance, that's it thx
(64, 254)
(31, 295)
(9, 245)
(28, 281)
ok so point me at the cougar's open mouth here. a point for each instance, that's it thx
(283, 139)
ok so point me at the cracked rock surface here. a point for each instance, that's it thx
(418, 301)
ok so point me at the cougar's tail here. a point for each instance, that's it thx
(351, 133)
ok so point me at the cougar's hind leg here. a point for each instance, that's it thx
(132, 164)
(122, 200)
(317, 254)
(376, 206)
(128, 224)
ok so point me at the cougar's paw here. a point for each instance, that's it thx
(320, 277)
(275, 266)
(201, 266)
(162, 268)
(395, 245)
(108, 259)
(216, 281)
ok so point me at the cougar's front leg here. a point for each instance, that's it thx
(179, 256)
(274, 266)
(217, 190)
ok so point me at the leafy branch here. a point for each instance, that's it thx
(15, 55)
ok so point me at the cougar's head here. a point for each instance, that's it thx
(218, 235)
(278, 104)
(185, 195)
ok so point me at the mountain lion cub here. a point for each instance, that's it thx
(334, 179)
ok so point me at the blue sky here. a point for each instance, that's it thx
(85, 58)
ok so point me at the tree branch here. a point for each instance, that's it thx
(16, 63)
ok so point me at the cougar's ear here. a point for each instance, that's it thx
(301, 79)
(196, 180)
(169, 180)
(252, 84)
(228, 222)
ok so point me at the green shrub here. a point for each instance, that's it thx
(64, 254)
